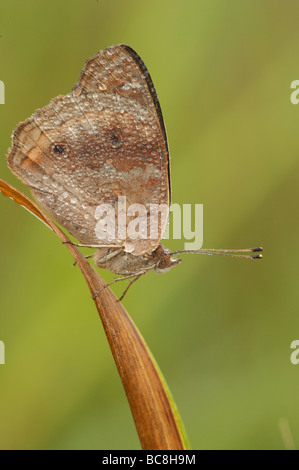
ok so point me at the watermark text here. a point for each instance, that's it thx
(2, 92)
(139, 222)
(2, 353)
(295, 354)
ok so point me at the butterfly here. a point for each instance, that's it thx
(103, 143)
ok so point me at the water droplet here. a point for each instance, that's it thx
(102, 86)
(126, 86)
(128, 247)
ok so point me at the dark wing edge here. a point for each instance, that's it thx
(146, 75)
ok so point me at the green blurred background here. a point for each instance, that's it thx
(219, 328)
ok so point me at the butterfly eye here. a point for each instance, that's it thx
(115, 138)
(58, 149)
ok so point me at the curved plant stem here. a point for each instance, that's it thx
(157, 421)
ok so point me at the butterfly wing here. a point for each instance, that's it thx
(103, 141)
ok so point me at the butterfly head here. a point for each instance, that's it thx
(164, 260)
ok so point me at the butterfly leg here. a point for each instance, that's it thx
(108, 256)
(86, 257)
(129, 276)
(80, 245)
(129, 285)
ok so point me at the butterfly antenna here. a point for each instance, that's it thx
(249, 253)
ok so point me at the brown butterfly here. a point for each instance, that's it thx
(104, 141)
